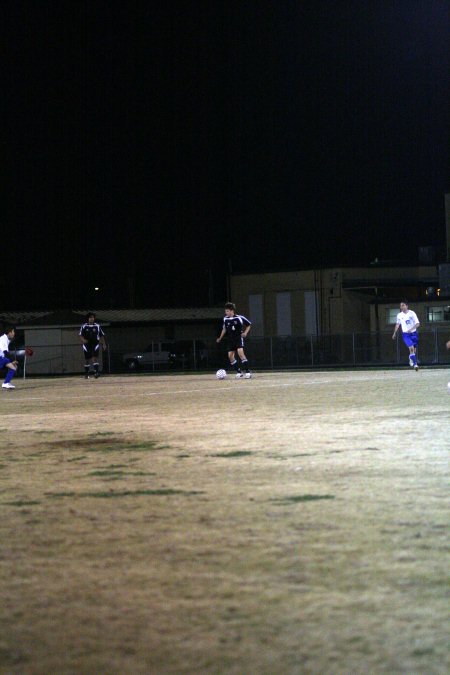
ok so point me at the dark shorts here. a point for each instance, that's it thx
(235, 343)
(91, 350)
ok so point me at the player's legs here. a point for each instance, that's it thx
(95, 363)
(11, 368)
(234, 362)
(10, 372)
(413, 357)
(87, 352)
(411, 340)
(244, 362)
(87, 368)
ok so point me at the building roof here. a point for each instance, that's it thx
(54, 319)
(368, 282)
(111, 316)
(19, 317)
(152, 315)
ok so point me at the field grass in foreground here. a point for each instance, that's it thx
(293, 523)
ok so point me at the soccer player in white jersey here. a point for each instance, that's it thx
(236, 328)
(409, 322)
(92, 336)
(5, 361)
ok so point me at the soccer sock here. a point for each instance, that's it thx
(234, 364)
(86, 368)
(413, 358)
(96, 366)
(9, 375)
(245, 365)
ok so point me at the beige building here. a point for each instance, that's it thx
(337, 300)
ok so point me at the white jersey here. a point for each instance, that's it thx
(407, 320)
(4, 344)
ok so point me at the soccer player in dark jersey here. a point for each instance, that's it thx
(236, 328)
(92, 336)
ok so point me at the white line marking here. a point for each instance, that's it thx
(217, 388)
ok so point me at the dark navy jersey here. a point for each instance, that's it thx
(235, 325)
(92, 332)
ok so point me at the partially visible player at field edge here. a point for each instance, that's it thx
(447, 344)
(409, 322)
(236, 328)
(5, 361)
(92, 336)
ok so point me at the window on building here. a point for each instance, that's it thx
(311, 313)
(391, 315)
(255, 303)
(284, 319)
(436, 314)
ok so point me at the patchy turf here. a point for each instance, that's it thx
(234, 453)
(301, 498)
(309, 534)
(124, 493)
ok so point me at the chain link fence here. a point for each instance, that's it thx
(346, 350)
(277, 353)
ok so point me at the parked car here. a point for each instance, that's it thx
(176, 354)
(185, 355)
(155, 355)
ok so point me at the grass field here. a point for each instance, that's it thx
(293, 523)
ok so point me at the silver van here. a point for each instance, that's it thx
(154, 355)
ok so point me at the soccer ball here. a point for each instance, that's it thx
(221, 374)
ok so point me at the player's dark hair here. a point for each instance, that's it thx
(90, 314)
(8, 329)
(230, 305)
(405, 302)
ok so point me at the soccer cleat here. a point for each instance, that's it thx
(86, 377)
(411, 362)
(239, 375)
(6, 385)
(416, 367)
(97, 375)
(248, 376)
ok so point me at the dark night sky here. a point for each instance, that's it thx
(145, 143)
